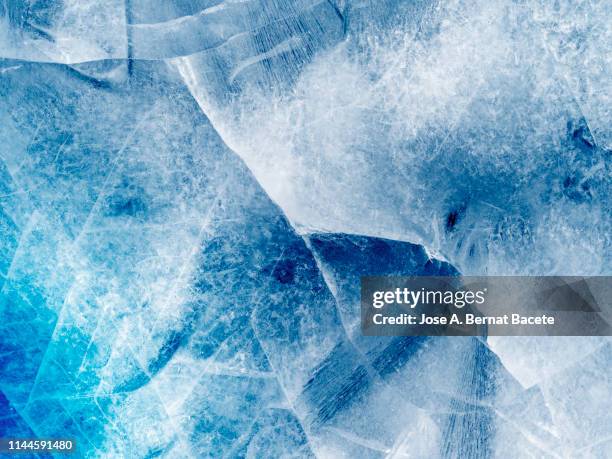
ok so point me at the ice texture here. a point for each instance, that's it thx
(447, 117)
(66, 31)
(190, 191)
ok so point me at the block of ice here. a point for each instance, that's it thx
(191, 190)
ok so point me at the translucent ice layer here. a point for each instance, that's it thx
(191, 190)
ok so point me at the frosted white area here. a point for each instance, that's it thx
(69, 32)
(390, 131)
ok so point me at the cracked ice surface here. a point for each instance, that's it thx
(68, 31)
(190, 191)
(408, 99)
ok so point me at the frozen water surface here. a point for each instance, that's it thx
(190, 191)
